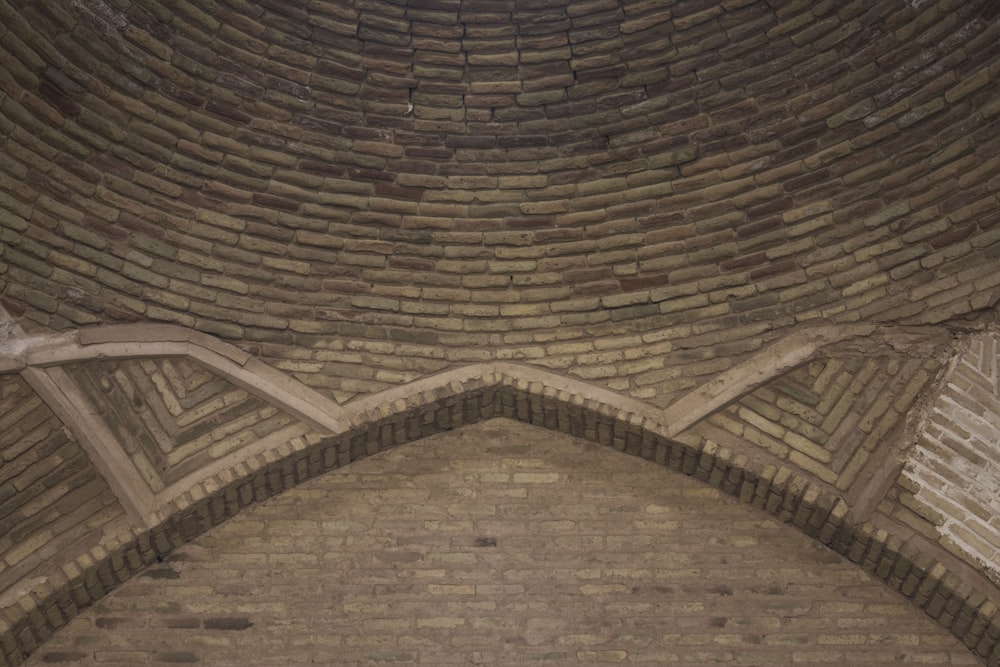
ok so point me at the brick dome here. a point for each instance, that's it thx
(246, 241)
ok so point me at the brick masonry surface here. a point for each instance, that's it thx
(363, 193)
(953, 478)
(632, 205)
(175, 415)
(51, 497)
(502, 543)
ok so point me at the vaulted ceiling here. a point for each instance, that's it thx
(246, 241)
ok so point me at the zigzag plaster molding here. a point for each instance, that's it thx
(40, 358)
(137, 341)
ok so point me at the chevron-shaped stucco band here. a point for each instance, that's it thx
(38, 358)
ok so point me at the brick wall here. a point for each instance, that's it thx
(503, 543)
(53, 502)
(649, 200)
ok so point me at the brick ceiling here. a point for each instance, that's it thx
(763, 233)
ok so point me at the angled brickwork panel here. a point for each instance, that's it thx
(173, 416)
(54, 505)
(829, 417)
(952, 478)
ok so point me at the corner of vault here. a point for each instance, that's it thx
(948, 491)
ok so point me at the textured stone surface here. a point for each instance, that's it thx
(503, 544)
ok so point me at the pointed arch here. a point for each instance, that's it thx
(946, 590)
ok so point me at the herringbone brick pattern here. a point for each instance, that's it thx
(827, 417)
(173, 416)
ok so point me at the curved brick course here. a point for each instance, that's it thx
(946, 589)
(644, 199)
(468, 175)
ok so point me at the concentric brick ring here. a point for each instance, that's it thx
(466, 174)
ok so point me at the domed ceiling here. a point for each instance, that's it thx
(245, 241)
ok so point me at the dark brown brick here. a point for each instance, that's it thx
(227, 623)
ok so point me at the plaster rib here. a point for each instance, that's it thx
(115, 342)
(38, 358)
(62, 395)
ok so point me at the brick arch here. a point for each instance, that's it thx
(42, 360)
(948, 592)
